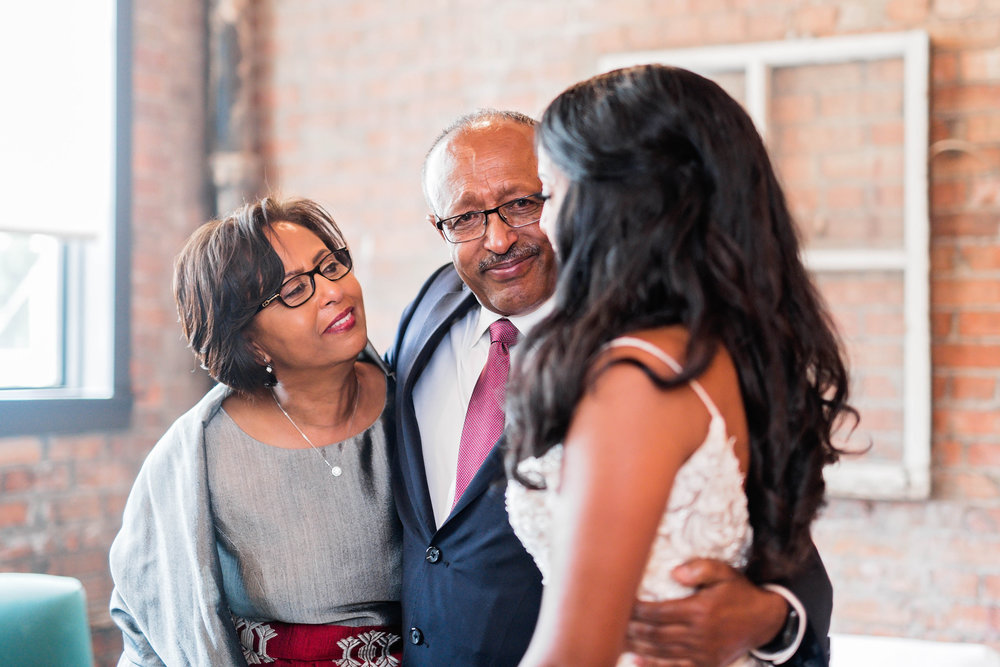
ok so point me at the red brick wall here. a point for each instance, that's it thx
(353, 92)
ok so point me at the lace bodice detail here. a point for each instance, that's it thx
(706, 515)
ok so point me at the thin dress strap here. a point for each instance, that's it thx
(631, 341)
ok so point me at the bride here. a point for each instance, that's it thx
(679, 401)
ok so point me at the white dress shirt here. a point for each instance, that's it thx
(441, 396)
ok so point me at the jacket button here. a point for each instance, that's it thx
(416, 637)
(432, 555)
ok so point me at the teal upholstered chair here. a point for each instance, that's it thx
(43, 621)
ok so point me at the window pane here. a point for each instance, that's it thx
(64, 252)
(836, 138)
(59, 140)
(868, 309)
(30, 311)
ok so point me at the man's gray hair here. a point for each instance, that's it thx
(466, 121)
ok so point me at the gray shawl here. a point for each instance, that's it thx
(168, 598)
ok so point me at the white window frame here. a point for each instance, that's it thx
(97, 263)
(910, 478)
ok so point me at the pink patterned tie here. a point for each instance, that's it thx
(484, 418)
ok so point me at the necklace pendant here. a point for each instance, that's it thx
(336, 471)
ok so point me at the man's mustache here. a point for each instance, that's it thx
(515, 252)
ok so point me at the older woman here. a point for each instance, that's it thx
(261, 526)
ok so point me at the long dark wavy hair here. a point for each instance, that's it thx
(674, 216)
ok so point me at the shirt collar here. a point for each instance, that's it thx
(524, 323)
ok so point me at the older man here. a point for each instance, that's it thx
(470, 591)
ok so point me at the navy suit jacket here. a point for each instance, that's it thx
(471, 593)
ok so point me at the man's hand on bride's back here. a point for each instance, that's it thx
(726, 617)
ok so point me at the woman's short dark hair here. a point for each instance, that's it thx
(674, 215)
(226, 269)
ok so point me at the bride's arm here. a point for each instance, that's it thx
(624, 447)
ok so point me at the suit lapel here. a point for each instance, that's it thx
(427, 328)
(490, 472)
(430, 325)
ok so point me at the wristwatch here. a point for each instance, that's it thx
(784, 645)
(785, 636)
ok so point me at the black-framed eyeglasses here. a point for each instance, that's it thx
(299, 288)
(471, 225)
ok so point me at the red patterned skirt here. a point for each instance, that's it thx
(302, 645)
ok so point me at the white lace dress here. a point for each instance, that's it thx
(706, 515)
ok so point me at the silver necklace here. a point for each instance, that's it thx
(336, 471)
